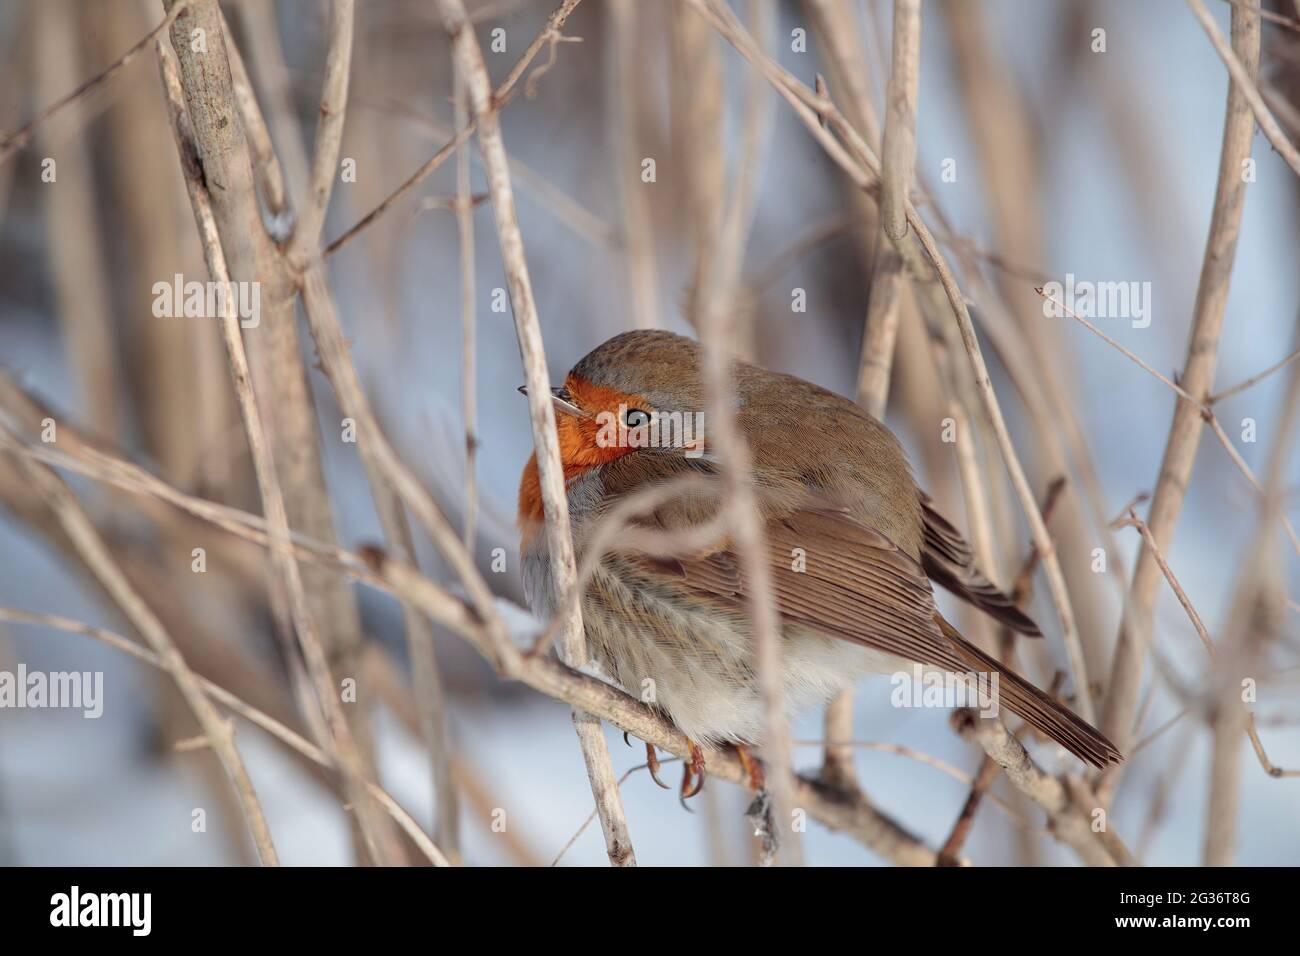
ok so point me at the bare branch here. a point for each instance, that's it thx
(898, 151)
(1254, 379)
(1070, 809)
(329, 130)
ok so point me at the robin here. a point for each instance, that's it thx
(854, 546)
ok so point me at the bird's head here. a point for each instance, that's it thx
(637, 393)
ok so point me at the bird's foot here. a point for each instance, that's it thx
(692, 774)
(755, 779)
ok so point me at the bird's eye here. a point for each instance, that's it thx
(635, 418)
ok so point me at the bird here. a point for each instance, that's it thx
(853, 544)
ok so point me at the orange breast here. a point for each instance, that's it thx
(530, 496)
(580, 451)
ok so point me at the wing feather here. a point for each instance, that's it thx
(949, 562)
(853, 583)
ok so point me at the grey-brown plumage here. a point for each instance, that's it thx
(949, 562)
(853, 545)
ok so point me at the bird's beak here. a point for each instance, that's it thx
(561, 404)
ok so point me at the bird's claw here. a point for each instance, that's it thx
(652, 763)
(692, 775)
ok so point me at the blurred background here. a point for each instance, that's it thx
(1038, 155)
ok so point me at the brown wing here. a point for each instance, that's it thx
(836, 576)
(949, 561)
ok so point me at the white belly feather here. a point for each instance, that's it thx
(696, 666)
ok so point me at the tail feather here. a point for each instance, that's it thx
(949, 562)
(1040, 711)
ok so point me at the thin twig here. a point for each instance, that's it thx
(1151, 543)
(898, 149)
(266, 165)
(13, 142)
(464, 207)
(622, 99)
(1253, 380)
(1202, 632)
(1065, 804)
(961, 827)
(951, 849)
(383, 670)
(1182, 392)
(567, 211)
(329, 130)
(568, 845)
(1207, 413)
